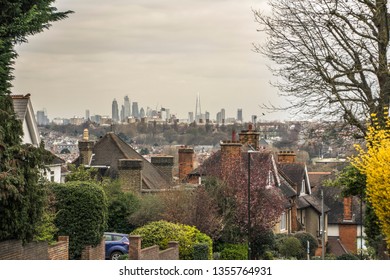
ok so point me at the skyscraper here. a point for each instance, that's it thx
(115, 111)
(87, 115)
(122, 113)
(198, 109)
(239, 115)
(223, 117)
(135, 110)
(190, 117)
(127, 112)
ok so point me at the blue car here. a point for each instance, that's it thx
(117, 244)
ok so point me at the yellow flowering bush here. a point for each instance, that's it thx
(373, 160)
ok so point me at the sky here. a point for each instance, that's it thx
(161, 53)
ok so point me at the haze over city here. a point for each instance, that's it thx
(159, 53)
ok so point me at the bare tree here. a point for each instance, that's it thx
(331, 57)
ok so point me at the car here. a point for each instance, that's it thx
(116, 244)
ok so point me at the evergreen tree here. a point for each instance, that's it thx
(22, 196)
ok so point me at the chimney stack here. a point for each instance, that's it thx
(250, 137)
(286, 157)
(130, 174)
(85, 148)
(347, 203)
(165, 165)
(186, 162)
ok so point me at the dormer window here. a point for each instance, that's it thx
(270, 180)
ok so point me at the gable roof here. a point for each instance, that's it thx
(110, 148)
(25, 113)
(295, 173)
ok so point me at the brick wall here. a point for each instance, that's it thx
(59, 250)
(153, 252)
(94, 253)
(348, 234)
(165, 165)
(15, 250)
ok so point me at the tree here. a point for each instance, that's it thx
(373, 162)
(81, 214)
(21, 195)
(331, 56)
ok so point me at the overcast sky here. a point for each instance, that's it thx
(160, 53)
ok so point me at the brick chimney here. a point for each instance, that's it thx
(130, 174)
(85, 148)
(286, 157)
(165, 165)
(250, 137)
(230, 154)
(186, 162)
(347, 214)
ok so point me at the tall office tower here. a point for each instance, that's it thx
(127, 112)
(135, 110)
(122, 113)
(167, 113)
(198, 109)
(219, 118)
(223, 117)
(239, 115)
(190, 117)
(142, 113)
(254, 119)
(87, 115)
(115, 111)
(42, 118)
(207, 116)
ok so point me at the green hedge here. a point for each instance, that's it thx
(81, 214)
(234, 252)
(201, 251)
(161, 232)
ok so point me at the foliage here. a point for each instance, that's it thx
(46, 229)
(290, 247)
(201, 251)
(81, 173)
(22, 195)
(330, 57)
(192, 207)
(347, 257)
(81, 214)
(264, 241)
(121, 205)
(373, 161)
(161, 232)
(234, 252)
(149, 210)
(303, 237)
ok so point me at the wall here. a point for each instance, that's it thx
(153, 252)
(15, 250)
(348, 234)
(94, 253)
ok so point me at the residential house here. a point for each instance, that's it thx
(25, 113)
(116, 159)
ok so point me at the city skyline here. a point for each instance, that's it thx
(160, 53)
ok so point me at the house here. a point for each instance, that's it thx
(303, 210)
(116, 159)
(308, 206)
(25, 113)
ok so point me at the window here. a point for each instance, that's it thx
(303, 187)
(283, 222)
(52, 176)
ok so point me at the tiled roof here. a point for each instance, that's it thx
(311, 200)
(294, 171)
(110, 148)
(336, 247)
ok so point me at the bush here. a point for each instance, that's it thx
(264, 241)
(201, 251)
(234, 252)
(347, 257)
(303, 237)
(161, 232)
(290, 247)
(81, 214)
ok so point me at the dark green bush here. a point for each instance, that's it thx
(201, 251)
(347, 257)
(290, 247)
(161, 232)
(81, 214)
(234, 252)
(303, 237)
(263, 241)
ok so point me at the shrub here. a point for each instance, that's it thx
(201, 251)
(81, 214)
(290, 247)
(347, 257)
(161, 232)
(263, 241)
(234, 252)
(303, 237)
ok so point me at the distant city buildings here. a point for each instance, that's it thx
(115, 111)
(239, 115)
(42, 118)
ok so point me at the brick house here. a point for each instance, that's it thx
(116, 159)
